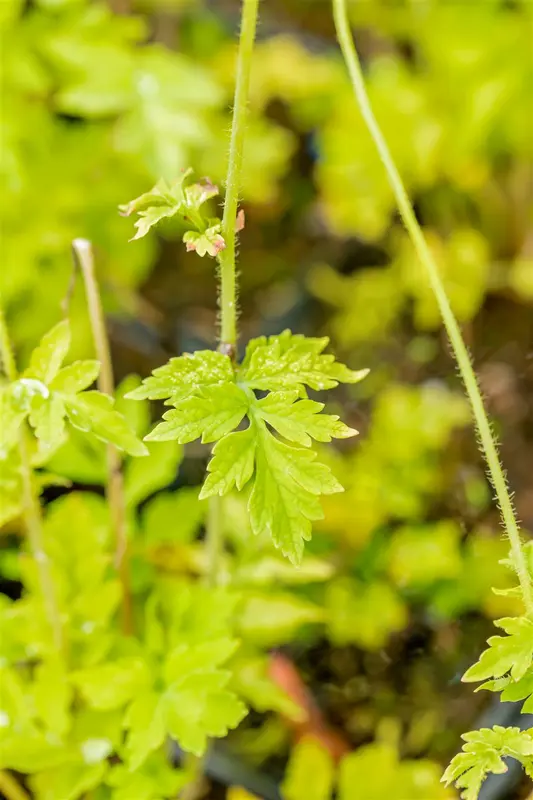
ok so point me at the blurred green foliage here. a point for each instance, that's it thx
(99, 105)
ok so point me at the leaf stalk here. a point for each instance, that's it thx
(462, 357)
(228, 275)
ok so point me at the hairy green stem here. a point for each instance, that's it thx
(228, 273)
(31, 506)
(460, 351)
(106, 383)
(228, 277)
(228, 290)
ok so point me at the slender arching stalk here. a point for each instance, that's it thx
(486, 437)
(106, 383)
(31, 507)
(228, 278)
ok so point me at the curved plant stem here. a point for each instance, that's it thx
(106, 383)
(31, 507)
(11, 788)
(228, 277)
(460, 351)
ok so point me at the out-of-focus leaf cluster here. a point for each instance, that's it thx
(96, 108)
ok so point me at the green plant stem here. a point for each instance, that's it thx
(106, 383)
(11, 788)
(460, 351)
(31, 507)
(215, 541)
(8, 359)
(228, 292)
(228, 272)
(228, 277)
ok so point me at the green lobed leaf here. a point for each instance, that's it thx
(93, 412)
(75, 377)
(375, 772)
(512, 653)
(310, 772)
(291, 361)
(112, 684)
(30, 750)
(232, 463)
(47, 417)
(12, 415)
(269, 620)
(517, 690)
(185, 660)
(149, 218)
(300, 420)
(209, 404)
(46, 359)
(209, 413)
(10, 487)
(68, 781)
(146, 728)
(184, 374)
(209, 242)
(197, 703)
(156, 778)
(198, 708)
(161, 196)
(182, 200)
(483, 753)
(52, 696)
(284, 499)
(172, 517)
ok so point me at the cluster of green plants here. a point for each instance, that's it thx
(136, 624)
(116, 110)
